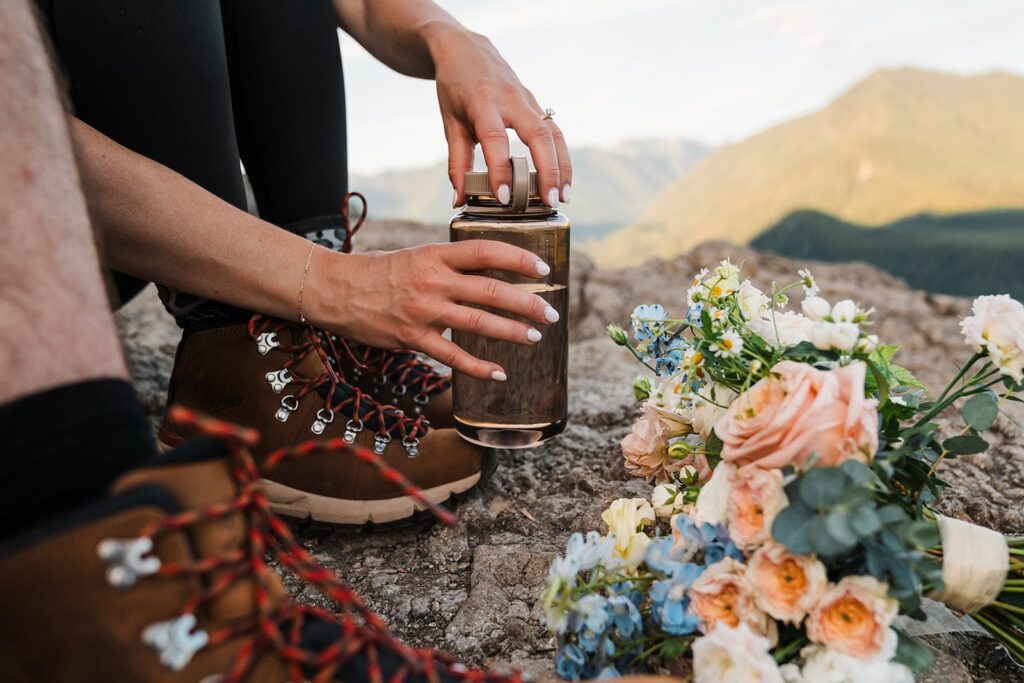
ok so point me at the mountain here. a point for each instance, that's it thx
(898, 143)
(965, 254)
(610, 186)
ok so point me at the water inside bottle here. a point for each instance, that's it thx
(530, 407)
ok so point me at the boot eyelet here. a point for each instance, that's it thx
(289, 404)
(352, 428)
(412, 447)
(380, 443)
(266, 341)
(399, 390)
(323, 418)
(278, 380)
(381, 380)
(126, 560)
(421, 399)
(175, 640)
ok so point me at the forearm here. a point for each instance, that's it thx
(407, 35)
(157, 225)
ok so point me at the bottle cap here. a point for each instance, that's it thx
(524, 184)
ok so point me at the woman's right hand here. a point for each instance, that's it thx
(407, 298)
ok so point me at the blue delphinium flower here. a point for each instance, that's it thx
(693, 313)
(720, 546)
(647, 321)
(669, 355)
(608, 673)
(569, 662)
(587, 552)
(669, 600)
(625, 617)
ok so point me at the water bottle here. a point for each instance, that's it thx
(531, 406)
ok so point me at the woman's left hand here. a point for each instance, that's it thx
(480, 98)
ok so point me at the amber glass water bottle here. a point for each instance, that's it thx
(531, 405)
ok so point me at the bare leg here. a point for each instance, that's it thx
(55, 322)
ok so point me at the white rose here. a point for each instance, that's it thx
(844, 311)
(867, 343)
(828, 666)
(734, 655)
(666, 500)
(713, 499)
(704, 414)
(996, 327)
(752, 301)
(783, 329)
(838, 336)
(815, 308)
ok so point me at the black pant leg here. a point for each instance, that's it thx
(289, 103)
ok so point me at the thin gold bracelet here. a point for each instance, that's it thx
(302, 285)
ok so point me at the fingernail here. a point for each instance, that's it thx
(567, 193)
(553, 198)
(499, 376)
(533, 335)
(455, 199)
(543, 268)
(504, 194)
(551, 315)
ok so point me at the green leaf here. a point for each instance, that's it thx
(968, 444)
(881, 382)
(905, 377)
(912, 654)
(860, 473)
(825, 545)
(981, 411)
(790, 529)
(923, 534)
(821, 487)
(885, 353)
(837, 523)
(864, 521)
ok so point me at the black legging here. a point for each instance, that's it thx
(197, 85)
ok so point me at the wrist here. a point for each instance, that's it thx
(327, 288)
(443, 37)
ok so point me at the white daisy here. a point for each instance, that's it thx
(729, 345)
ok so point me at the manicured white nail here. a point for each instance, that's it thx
(553, 198)
(567, 193)
(504, 194)
(551, 315)
(455, 199)
(499, 376)
(533, 335)
(543, 268)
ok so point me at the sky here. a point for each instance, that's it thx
(714, 71)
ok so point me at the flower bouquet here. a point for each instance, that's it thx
(791, 521)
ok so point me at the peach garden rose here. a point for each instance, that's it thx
(853, 616)
(754, 501)
(786, 586)
(722, 596)
(645, 448)
(799, 411)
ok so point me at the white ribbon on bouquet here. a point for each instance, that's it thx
(975, 563)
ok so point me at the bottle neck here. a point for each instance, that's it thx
(481, 205)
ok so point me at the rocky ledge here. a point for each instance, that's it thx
(473, 589)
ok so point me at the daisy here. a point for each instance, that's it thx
(729, 345)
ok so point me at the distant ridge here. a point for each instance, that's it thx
(898, 143)
(611, 186)
(966, 254)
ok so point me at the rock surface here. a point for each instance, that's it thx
(473, 589)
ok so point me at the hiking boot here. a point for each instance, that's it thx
(168, 580)
(284, 380)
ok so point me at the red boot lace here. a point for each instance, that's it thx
(340, 396)
(278, 627)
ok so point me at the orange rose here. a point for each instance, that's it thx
(785, 585)
(722, 596)
(853, 617)
(798, 411)
(754, 501)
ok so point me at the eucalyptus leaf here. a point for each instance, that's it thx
(824, 543)
(912, 654)
(864, 521)
(790, 529)
(821, 487)
(837, 522)
(981, 411)
(967, 444)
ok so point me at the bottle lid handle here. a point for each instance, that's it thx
(520, 184)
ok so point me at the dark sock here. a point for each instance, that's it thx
(63, 447)
(327, 231)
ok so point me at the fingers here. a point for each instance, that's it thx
(485, 291)
(460, 158)
(449, 353)
(470, 255)
(537, 135)
(564, 161)
(476, 321)
(490, 131)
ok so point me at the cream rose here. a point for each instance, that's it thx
(734, 655)
(996, 326)
(713, 499)
(853, 617)
(754, 501)
(783, 329)
(800, 411)
(645, 448)
(722, 597)
(785, 586)
(625, 518)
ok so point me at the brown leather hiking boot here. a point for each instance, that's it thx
(284, 380)
(168, 580)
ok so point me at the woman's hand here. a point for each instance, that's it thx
(407, 298)
(480, 97)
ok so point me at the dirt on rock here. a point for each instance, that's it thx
(473, 589)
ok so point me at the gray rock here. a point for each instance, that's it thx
(473, 589)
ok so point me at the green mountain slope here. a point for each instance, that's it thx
(610, 186)
(967, 254)
(898, 143)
